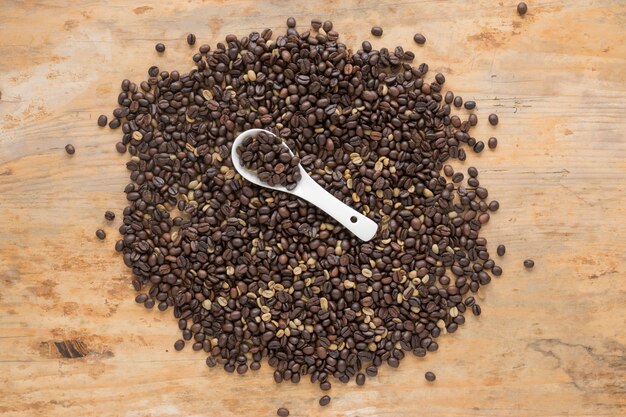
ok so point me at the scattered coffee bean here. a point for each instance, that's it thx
(480, 145)
(522, 8)
(360, 378)
(469, 105)
(492, 143)
(493, 119)
(102, 120)
(430, 377)
(377, 31)
(282, 412)
(191, 39)
(109, 215)
(325, 400)
(316, 24)
(101, 234)
(179, 345)
(70, 149)
(501, 250)
(159, 47)
(529, 263)
(291, 22)
(419, 39)
(476, 310)
(253, 274)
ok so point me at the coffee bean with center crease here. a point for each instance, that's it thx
(100, 234)
(191, 39)
(109, 215)
(419, 39)
(255, 275)
(70, 149)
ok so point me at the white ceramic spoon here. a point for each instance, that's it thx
(307, 189)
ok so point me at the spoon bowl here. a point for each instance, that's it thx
(307, 189)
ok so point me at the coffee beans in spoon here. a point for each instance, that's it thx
(267, 156)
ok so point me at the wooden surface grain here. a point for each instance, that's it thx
(550, 342)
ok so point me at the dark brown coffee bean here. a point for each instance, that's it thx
(102, 120)
(469, 105)
(472, 172)
(492, 143)
(522, 8)
(70, 149)
(291, 22)
(493, 119)
(282, 412)
(529, 263)
(473, 119)
(109, 215)
(494, 205)
(377, 31)
(476, 310)
(316, 24)
(115, 123)
(501, 250)
(458, 101)
(179, 345)
(191, 39)
(159, 47)
(430, 377)
(419, 39)
(324, 401)
(360, 378)
(480, 145)
(100, 234)
(496, 270)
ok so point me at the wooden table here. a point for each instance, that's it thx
(550, 342)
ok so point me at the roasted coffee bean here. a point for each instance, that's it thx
(109, 215)
(529, 263)
(159, 47)
(252, 274)
(70, 149)
(100, 234)
(191, 39)
(324, 401)
(501, 250)
(430, 377)
(480, 145)
(492, 143)
(493, 119)
(179, 345)
(522, 8)
(419, 39)
(469, 105)
(291, 22)
(102, 120)
(377, 31)
(476, 310)
(282, 412)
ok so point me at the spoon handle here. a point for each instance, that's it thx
(360, 225)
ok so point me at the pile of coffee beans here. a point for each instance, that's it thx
(267, 156)
(252, 274)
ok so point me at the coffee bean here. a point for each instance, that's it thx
(472, 119)
(70, 149)
(282, 412)
(522, 8)
(316, 24)
(360, 378)
(458, 101)
(469, 105)
(120, 147)
(493, 119)
(492, 143)
(159, 47)
(377, 31)
(480, 145)
(291, 22)
(472, 172)
(501, 250)
(476, 310)
(191, 39)
(102, 120)
(101, 234)
(324, 401)
(430, 377)
(179, 345)
(529, 263)
(109, 215)
(419, 39)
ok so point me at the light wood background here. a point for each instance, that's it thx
(550, 342)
